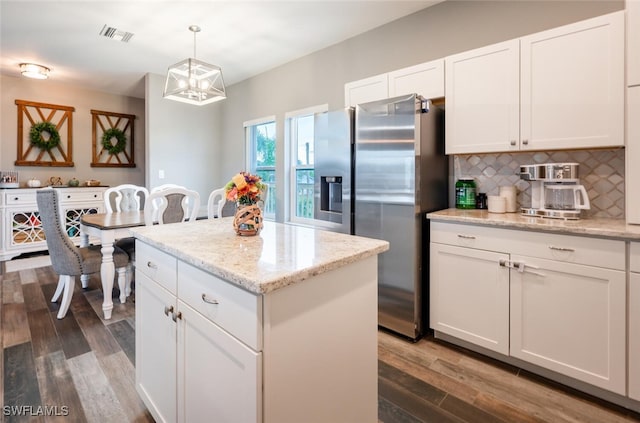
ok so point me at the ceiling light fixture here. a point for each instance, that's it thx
(31, 70)
(193, 81)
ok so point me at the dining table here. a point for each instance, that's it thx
(108, 227)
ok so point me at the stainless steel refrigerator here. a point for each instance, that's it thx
(396, 173)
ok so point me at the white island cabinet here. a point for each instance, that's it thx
(280, 327)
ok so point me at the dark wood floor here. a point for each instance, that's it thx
(82, 369)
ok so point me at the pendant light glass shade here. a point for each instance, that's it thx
(193, 81)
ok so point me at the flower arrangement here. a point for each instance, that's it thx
(244, 189)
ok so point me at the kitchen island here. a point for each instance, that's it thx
(279, 327)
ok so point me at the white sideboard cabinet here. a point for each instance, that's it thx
(556, 301)
(634, 321)
(21, 228)
(524, 94)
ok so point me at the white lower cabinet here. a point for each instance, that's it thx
(470, 295)
(219, 378)
(556, 301)
(189, 369)
(570, 318)
(634, 321)
(156, 340)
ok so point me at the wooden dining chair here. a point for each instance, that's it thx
(171, 205)
(67, 260)
(216, 202)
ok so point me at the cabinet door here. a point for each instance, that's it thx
(633, 42)
(572, 85)
(634, 336)
(469, 295)
(632, 156)
(570, 319)
(71, 215)
(482, 92)
(426, 79)
(366, 90)
(220, 378)
(155, 349)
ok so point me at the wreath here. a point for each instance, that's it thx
(36, 138)
(119, 146)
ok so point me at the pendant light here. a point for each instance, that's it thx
(193, 81)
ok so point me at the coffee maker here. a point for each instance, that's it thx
(555, 191)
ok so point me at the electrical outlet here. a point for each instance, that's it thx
(161, 174)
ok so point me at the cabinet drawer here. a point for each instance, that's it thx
(19, 198)
(235, 310)
(80, 195)
(157, 265)
(568, 248)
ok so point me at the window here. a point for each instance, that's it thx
(300, 137)
(260, 137)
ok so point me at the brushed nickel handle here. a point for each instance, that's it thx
(176, 316)
(552, 247)
(168, 310)
(152, 265)
(209, 300)
(466, 236)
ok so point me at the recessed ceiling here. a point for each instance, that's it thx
(244, 38)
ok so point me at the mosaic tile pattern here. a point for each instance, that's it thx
(601, 172)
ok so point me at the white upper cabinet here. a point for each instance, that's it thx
(481, 89)
(572, 85)
(426, 79)
(568, 84)
(632, 156)
(633, 42)
(366, 90)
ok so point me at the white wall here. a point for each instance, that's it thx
(83, 100)
(183, 140)
(447, 28)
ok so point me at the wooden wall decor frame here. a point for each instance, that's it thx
(103, 121)
(30, 113)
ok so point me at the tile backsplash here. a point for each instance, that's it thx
(600, 171)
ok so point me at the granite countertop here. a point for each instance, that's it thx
(600, 227)
(280, 255)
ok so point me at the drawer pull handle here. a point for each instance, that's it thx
(466, 236)
(209, 300)
(512, 142)
(176, 316)
(552, 247)
(151, 265)
(16, 198)
(168, 310)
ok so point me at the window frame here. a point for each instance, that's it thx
(291, 145)
(250, 154)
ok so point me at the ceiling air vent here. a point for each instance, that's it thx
(116, 34)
